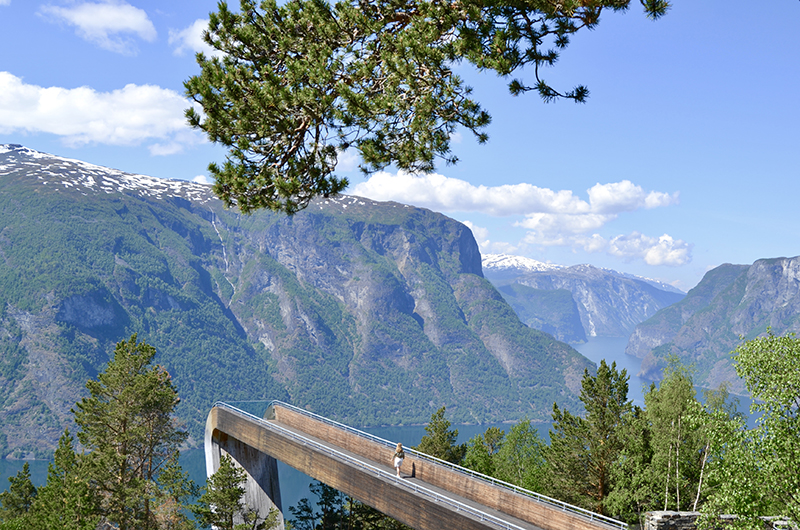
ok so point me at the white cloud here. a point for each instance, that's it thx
(5, 2)
(190, 39)
(441, 193)
(202, 179)
(625, 196)
(547, 223)
(107, 24)
(132, 115)
(348, 160)
(552, 217)
(654, 251)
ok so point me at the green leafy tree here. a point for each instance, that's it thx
(516, 457)
(650, 463)
(583, 450)
(297, 83)
(481, 450)
(719, 412)
(677, 441)
(757, 471)
(520, 459)
(66, 501)
(17, 500)
(127, 427)
(440, 440)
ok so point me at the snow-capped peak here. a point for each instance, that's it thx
(500, 262)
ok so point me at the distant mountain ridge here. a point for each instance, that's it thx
(731, 301)
(576, 302)
(520, 265)
(368, 312)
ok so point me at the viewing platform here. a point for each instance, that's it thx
(430, 495)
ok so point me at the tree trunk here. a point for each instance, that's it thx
(700, 482)
(677, 468)
(669, 468)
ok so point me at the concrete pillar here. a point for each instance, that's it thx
(262, 489)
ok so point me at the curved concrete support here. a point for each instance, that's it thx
(262, 489)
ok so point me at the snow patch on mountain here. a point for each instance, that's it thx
(76, 174)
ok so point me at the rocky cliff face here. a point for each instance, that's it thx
(605, 303)
(730, 302)
(372, 313)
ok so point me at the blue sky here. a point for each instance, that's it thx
(685, 156)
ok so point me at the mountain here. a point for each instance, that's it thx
(577, 302)
(731, 301)
(371, 313)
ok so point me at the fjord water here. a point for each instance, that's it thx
(612, 349)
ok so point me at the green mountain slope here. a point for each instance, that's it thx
(371, 313)
(730, 302)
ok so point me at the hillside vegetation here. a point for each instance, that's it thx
(371, 313)
(731, 303)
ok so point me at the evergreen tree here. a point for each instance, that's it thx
(338, 512)
(222, 507)
(130, 434)
(175, 493)
(66, 501)
(634, 491)
(583, 451)
(303, 516)
(299, 82)
(17, 500)
(440, 440)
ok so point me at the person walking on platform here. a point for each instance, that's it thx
(399, 455)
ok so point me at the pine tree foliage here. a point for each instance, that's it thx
(294, 84)
(127, 427)
(175, 493)
(440, 440)
(18, 499)
(338, 511)
(634, 491)
(66, 501)
(222, 505)
(583, 450)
